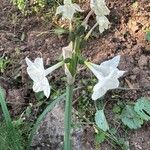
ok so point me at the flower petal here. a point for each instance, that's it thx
(38, 62)
(68, 10)
(95, 69)
(77, 7)
(98, 91)
(59, 10)
(103, 23)
(108, 83)
(35, 70)
(99, 7)
(114, 62)
(42, 85)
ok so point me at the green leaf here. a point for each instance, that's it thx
(80, 30)
(142, 108)
(100, 137)
(60, 31)
(39, 96)
(116, 109)
(130, 118)
(148, 36)
(12, 137)
(101, 121)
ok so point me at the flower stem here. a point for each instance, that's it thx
(89, 33)
(68, 116)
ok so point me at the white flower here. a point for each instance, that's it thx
(68, 9)
(67, 53)
(107, 74)
(103, 23)
(99, 7)
(38, 74)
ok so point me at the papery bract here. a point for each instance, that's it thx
(107, 74)
(67, 53)
(68, 9)
(38, 74)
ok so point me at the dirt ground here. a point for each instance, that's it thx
(30, 36)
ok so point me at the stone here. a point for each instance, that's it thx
(142, 61)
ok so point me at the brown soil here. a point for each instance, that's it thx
(22, 36)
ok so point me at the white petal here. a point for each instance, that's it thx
(77, 7)
(108, 83)
(103, 23)
(35, 70)
(114, 62)
(67, 1)
(68, 12)
(120, 73)
(95, 69)
(99, 7)
(59, 10)
(38, 62)
(42, 85)
(98, 91)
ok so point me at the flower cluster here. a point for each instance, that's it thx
(107, 74)
(98, 6)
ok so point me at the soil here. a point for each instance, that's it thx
(29, 36)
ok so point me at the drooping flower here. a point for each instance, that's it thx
(100, 9)
(68, 9)
(38, 74)
(67, 53)
(107, 74)
(103, 23)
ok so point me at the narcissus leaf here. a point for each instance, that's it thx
(100, 137)
(130, 118)
(101, 121)
(142, 108)
(148, 36)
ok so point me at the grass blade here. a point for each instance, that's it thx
(12, 137)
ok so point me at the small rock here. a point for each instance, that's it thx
(51, 132)
(136, 70)
(133, 77)
(142, 61)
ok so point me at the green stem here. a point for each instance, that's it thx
(89, 33)
(68, 115)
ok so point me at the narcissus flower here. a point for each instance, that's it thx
(38, 74)
(68, 9)
(67, 53)
(107, 74)
(99, 7)
(103, 23)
